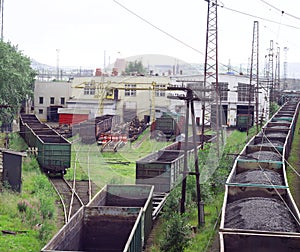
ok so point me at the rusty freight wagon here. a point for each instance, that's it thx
(128, 196)
(100, 229)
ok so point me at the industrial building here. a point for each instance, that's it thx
(146, 97)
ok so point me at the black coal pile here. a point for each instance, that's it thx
(265, 177)
(271, 144)
(263, 155)
(257, 213)
(280, 127)
(275, 134)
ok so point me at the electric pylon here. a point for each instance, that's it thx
(270, 71)
(254, 73)
(211, 72)
(285, 49)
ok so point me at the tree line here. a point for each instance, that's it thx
(16, 81)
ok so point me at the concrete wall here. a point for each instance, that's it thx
(46, 90)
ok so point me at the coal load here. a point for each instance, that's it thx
(273, 134)
(257, 213)
(263, 155)
(279, 127)
(265, 177)
(270, 143)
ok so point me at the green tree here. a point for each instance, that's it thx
(273, 108)
(176, 234)
(135, 67)
(16, 80)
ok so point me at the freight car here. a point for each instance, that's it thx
(118, 218)
(259, 213)
(244, 121)
(164, 168)
(167, 127)
(100, 225)
(53, 150)
(90, 130)
(106, 128)
(100, 229)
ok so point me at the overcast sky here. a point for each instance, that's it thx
(83, 30)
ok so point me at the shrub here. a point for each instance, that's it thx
(176, 234)
(23, 205)
(47, 207)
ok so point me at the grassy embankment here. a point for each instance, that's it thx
(293, 166)
(31, 215)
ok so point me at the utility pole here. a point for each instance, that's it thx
(57, 64)
(277, 71)
(285, 49)
(254, 76)
(211, 67)
(189, 99)
(270, 75)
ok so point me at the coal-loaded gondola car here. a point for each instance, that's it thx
(53, 151)
(259, 213)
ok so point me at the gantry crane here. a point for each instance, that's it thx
(108, 89)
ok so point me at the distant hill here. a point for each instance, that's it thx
(162, 63)
(37, 65)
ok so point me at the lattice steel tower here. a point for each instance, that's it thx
(270, 71)
(285, 85)
(254, 72)
(211, 87)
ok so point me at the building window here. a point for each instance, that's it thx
(41, 100)
(62, 100)
(52, 100)
(130, 89)
(159, 92)
(41, 111)
(89, 89)
(243, 92)
(223, 90)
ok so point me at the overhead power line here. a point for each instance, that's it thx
(265, 19)
(156, 27)
(281, 11)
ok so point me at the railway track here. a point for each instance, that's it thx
(71, 202)
(85, 189)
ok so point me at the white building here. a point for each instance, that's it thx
(49, 97)
(233, 98)
(147, 97)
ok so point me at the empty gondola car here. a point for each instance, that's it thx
(53, 151)
(118, 218)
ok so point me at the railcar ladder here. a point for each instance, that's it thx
(158, 201)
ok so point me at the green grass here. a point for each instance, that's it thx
(206, 234)
(31, 214)
(110, 167)
(294, 161)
